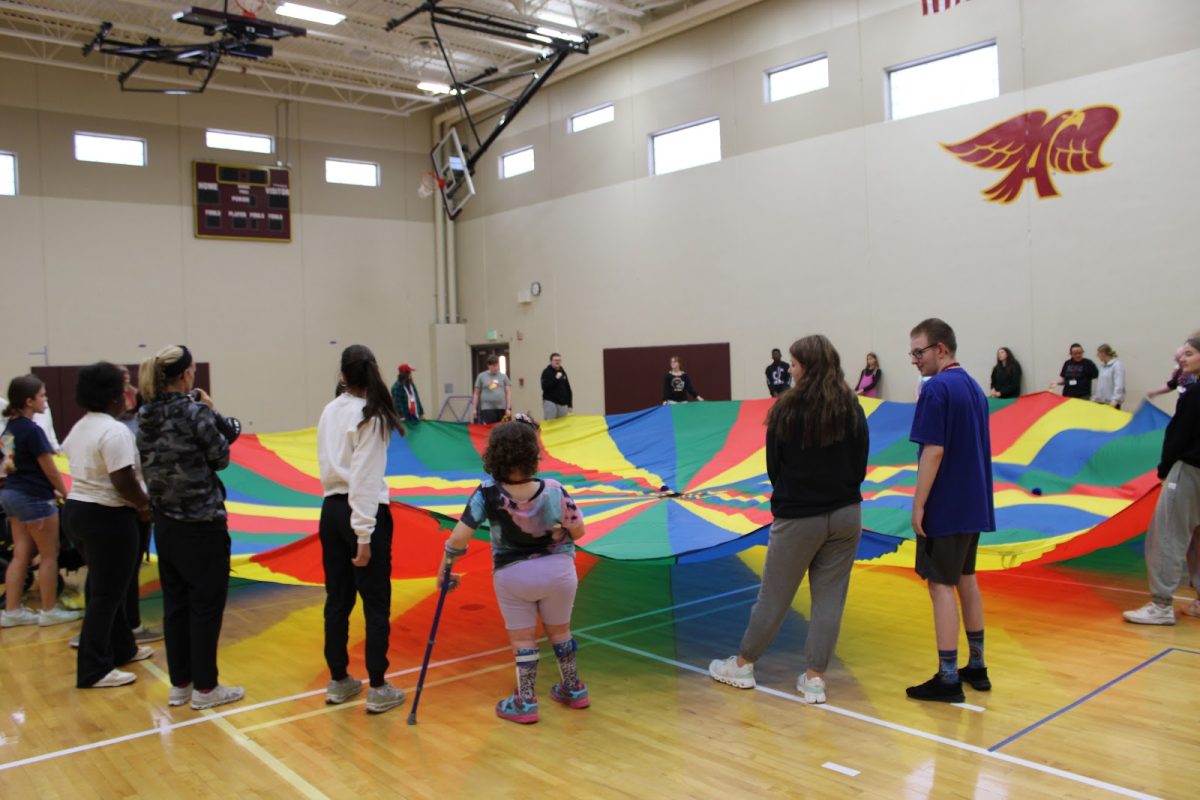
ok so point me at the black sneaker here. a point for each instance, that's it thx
(937, 689)
(976, 676)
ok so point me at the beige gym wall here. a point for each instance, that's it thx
(100, 261)
(824, 217)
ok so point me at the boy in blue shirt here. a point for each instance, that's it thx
(952, 504)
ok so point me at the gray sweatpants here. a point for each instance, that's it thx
(552, 410)
(1175, 520)
(823, 546)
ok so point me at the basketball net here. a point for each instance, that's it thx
(429, 184)
(251, 8)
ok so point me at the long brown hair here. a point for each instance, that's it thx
(362, 372)
(820, 404)
(21, 390)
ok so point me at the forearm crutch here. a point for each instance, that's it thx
(437, 615)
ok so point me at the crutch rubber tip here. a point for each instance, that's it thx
(412, 719)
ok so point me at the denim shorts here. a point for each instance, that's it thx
(23, 508)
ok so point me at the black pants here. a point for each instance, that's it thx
(489, 416)
(193, 565)
(107, 538)
(132, 611)
(342, 580)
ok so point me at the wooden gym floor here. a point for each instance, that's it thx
(1084, 705)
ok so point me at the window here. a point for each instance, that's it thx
(797, 78)
(354, 173)
(945, 81)
(518, 162)
(232, 140)
(687, 146)
(8, 174)
(592, 117)
(110, 149)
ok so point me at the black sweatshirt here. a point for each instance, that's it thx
(808, 481)
(677, 388)
(556, 386)
(779, 378)
(1181, 442)
(1007, 381)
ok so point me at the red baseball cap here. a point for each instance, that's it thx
(405, 368)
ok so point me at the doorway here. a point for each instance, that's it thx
(480, 353)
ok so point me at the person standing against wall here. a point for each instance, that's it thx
(952, 504)
(493, 393)
(779, 377)
(677, 384)
(869, 378)
(557, 399)
(1006, 375)
(1110, 387)
(405, 398)
(1077, 375)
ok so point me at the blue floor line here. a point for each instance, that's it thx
(1089, 696)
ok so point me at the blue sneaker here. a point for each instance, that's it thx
(574, 698)
(515, 709)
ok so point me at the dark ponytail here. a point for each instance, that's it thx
(362, 372)
(21, 389)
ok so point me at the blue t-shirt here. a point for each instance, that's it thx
(523, 529)
(953, 412)
(26, 441)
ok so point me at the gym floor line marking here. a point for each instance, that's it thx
(969, 707)
(1015, 573)
(214, 716)
(853, 773)
(933, 737)
(1089, 696)
(268, 760)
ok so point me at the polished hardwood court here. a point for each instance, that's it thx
(1084, 705)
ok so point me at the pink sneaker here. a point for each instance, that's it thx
(574, 698)
(514, 709)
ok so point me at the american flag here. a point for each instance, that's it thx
(934, 6)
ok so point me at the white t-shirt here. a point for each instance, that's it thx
(97, 446)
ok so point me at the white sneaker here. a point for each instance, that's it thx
(218, 696)
(142, 654)
(338, 692)
(812, 689)
(179, 695)
(115, 677)
(74, 641)
(57, 616)
(14, 619)
(1152, 614)
(382, 698)
(728, 671)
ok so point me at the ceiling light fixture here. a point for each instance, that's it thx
(308, 13)
(435, 87)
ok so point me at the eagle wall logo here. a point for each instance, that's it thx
(1033, 145)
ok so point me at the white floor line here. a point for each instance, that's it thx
(845, 712)
(839, 768)
(1008, 573)
(243, 709)
(969, 707)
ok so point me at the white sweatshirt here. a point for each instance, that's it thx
(353, 460)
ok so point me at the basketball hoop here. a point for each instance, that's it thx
(251, 8)
(429, 184)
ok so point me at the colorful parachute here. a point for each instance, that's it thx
(687, 482)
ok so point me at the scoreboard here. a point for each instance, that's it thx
(234, 201)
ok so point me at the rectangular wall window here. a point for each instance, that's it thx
(592, 117)
(944, 81)
(106, 149)
(8, 173)
(354, 173)
(797, 78)
(232, 140)
(518, 162)
(687, 146)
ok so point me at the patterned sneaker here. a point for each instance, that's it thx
(514, 709)
(1192, 609)
(115, 677)
(938, 690)
(145, 635)
(57, 616)
(217, 696)
(384, 698)
(179, 695)
(338, 692)
(575, 698)
(1151, 614)
(14, 619)
(977, 677)
(812, 690)
(728, 671)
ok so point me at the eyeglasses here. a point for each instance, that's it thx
(920, 351)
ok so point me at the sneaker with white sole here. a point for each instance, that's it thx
(726, 670)
(217, 696)
(384, 698)
(812, 690)
(74, 641)
(57, 616)
(338, 692)
(1192, 609)
(115, 677)
(145, 635)
(1151, 614)
(15, 619)
(142, 654)
(179, 695)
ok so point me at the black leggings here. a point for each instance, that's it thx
(343, 580)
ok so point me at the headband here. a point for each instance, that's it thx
(177, 368)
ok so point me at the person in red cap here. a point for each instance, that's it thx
(405, 397)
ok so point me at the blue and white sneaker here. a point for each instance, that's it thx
(574, 698)
(514, 709)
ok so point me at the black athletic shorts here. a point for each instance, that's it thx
(945, 559)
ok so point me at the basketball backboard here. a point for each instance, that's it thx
(454, 178)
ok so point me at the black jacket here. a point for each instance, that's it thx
(1181, 442)
(1007, 381)
(556, 386)
(808, 481)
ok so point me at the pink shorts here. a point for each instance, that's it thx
(536, 587)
